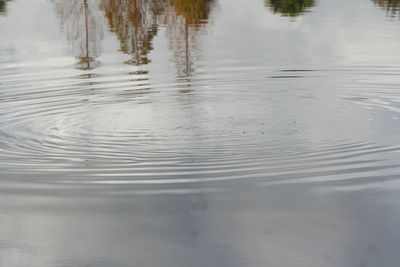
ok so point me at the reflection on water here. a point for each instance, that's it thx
(135, 24)
(3, 6)
(291, 8)
(195, 12)
(391, 6)
(185, 21)
(81, 22)
(213, 133)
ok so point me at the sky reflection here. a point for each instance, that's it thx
(199, 133)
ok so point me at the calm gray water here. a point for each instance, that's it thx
(201, 133)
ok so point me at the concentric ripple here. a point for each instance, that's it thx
(126, 133)
(117, 97)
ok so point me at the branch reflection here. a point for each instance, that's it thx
(81, 22)
(185, 20)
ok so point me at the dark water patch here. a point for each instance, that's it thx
(392, 7)
(3, 6)
(294, 70)
(290, 8)
(286, 77)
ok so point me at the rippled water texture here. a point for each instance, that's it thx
(199, 133)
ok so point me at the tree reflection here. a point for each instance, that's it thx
(195, 12)
(290, 8)
(3, 6)
(82, 24)
(185, 21)
(135, 22)
(391, 6)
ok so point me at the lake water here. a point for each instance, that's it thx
(199, 133)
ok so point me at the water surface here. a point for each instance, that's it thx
(199, 133)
